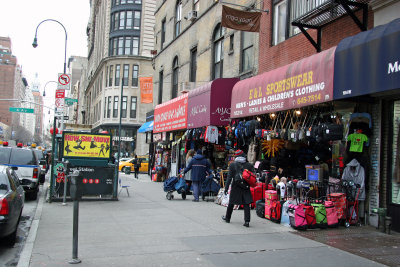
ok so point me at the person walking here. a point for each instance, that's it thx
(189, 156)
(240, 191)
(200, 168)
(136, 166)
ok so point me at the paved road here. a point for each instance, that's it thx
(146, 229)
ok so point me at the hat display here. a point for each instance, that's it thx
(239, 153)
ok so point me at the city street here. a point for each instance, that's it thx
(146, 229)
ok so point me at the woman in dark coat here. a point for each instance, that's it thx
(240, 192)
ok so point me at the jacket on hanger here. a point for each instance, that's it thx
(355, 172)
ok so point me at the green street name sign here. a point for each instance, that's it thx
(70, 101)
(22, 110)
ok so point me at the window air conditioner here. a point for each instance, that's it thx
(192, 15)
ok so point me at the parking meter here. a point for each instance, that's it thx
(75, 188)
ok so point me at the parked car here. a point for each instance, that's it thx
(42, 162)
(28, 167)
(144, 165)
(12, 199)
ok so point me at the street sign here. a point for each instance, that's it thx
(59, 102)
(22, 110)
(64, 117)
(70, 101)
(59, 112)
(64, 81)
(60, 93)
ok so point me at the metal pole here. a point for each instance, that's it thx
(75, 258)
(53, 143)
(119, 141)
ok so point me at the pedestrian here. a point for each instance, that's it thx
(240, 193)
(200, 168)
(48, 160)
(189, 156)
(136, 166)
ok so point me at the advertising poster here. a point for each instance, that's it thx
(146, 89)
(86, 145)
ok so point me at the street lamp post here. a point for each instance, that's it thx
(53, 142)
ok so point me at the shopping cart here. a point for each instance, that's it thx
(352, 191)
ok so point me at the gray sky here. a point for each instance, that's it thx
(19, 19)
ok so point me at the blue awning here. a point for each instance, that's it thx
(368, 62)
(146, 127)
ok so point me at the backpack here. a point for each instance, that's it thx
(276, 211)
(331, 214)
(310, 216)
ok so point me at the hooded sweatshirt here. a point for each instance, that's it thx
(355, 172)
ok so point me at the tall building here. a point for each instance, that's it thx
(120, 38)
(38, 99)
(77, 68)
(192, 48)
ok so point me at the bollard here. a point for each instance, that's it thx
(75, 192)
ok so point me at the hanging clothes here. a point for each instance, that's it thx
(211, 134)
(357, 142)
(355, 173)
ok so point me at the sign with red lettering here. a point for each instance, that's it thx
(171, 115)
(60, 93)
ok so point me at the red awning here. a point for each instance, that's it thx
(171, 115)
(302, 83)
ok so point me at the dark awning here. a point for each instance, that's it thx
(146, 127)
(368, 62)
(210, 104)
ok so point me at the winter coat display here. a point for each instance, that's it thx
(188, 175)
(199, 166)
(355, 172)
(238, 194)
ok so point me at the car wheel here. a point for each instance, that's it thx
(12, 238)
(127, 170)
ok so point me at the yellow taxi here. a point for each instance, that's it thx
(144, 166)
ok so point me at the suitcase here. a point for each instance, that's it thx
(310, 216)
(256, 193)
(320, 215)
(271, 195)
(297, 217)
(263, 188)
(331, 214)
(260, 208)
(339, 201)
(276, 211)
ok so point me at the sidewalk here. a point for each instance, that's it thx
(146, 229)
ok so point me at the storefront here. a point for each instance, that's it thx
(208, 115)
(170, 123)
(367, 72)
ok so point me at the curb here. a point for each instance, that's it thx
(26, 253)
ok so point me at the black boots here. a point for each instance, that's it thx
(246, 224)
(224, 218)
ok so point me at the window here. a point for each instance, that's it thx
(160, 86)
(124, 103)
(285, 12)
(121, 21)
(279, 20)
(129, 19)
(115, 110)
(178, 17)
(395, 185)
(136, 21)
(133, 107)
(135, 46)
(105, 108)
(193, 64)
(163, 32)
(135, 75)
(218, 48)
(109, 107)
(110, 76)
(138, 1)
(120, 46)
(115, 20)
(175, 71)
(128, 42)
(247, 54)
(125, 77)
(117, 74)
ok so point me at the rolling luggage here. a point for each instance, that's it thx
(310, 216)
(331, 214)
(320, 215)
(339, 201)
(297, 217)
(260, 208)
